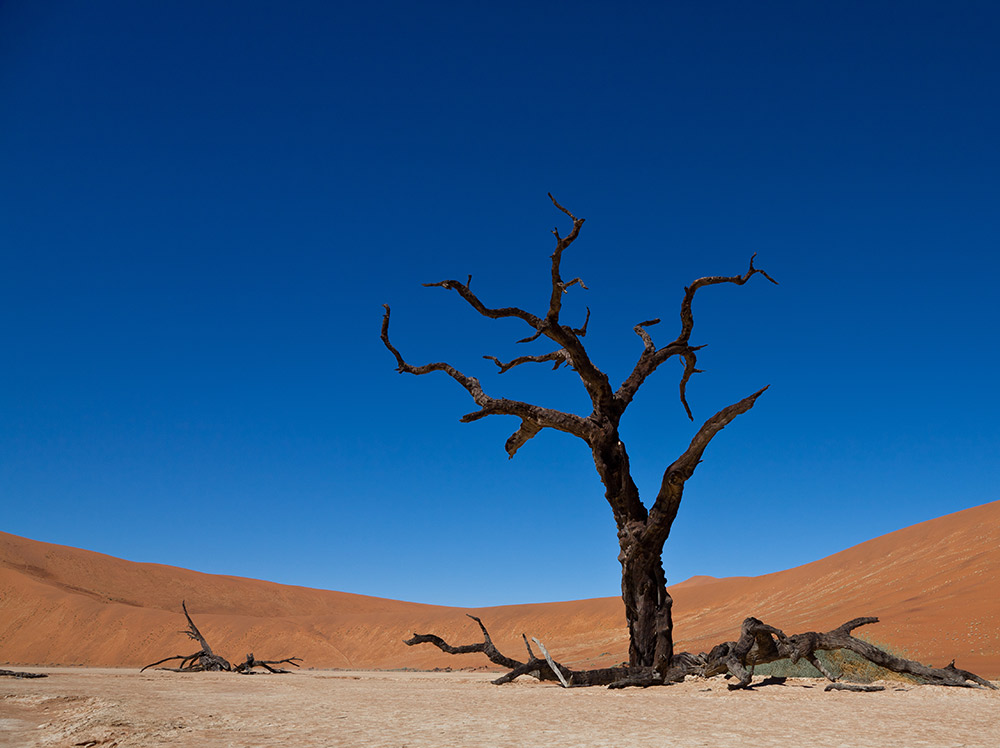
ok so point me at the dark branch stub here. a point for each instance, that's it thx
(205, 660)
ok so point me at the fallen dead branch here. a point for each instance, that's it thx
(247, 667)
(206, 660)
(758, 644)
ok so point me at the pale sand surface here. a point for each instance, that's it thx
(117, 708)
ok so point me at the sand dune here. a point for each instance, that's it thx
(934, 585)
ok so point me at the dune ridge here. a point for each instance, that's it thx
(933, 585)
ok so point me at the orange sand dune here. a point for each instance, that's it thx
(934, 585)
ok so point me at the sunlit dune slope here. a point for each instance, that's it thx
(934, 585)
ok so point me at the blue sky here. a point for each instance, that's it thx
(203, 207)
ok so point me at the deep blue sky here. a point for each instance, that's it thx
(203, 206)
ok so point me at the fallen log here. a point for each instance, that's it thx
(21, 674)
(534, 666)
(761, 644)
(247, 667)
(758, 644)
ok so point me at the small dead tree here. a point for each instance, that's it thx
(206, 660)
(641, 531)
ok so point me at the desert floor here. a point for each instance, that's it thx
(116, 708)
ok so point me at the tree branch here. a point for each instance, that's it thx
(471, 384)
(558, 286)
(516, 440)
(193, 632)
(760, 644)
(651, 358)
(534, 418)
(486, 646)
(668, 500)
(462, 289)
(687, 318)
(582, 331)
(595, 381)
(560, 357)
(542, 668)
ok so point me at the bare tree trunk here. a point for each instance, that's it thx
(647, 608)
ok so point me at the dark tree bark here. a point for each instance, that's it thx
(543, 668)
(641, 531)
(758, 644)
(247, 666)
(206, 660)
(20, 674)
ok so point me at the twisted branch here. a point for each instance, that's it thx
(687, 318)
(543, 668)
(651, 358)
(534, 418)
(758, 644)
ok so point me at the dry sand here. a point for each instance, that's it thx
(121, 708)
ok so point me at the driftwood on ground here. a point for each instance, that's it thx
(247, 667)
(19, 674)
(758, 644)
(206, 660)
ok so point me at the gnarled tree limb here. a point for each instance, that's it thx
(560, 357)
(247, 666)
(668, 500)
(538, 667)
(533, 414)
(651, 358)
(206, 660)
(758, 644)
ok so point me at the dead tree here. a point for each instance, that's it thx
(758, 644)
(641, 531)
(206, 660)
